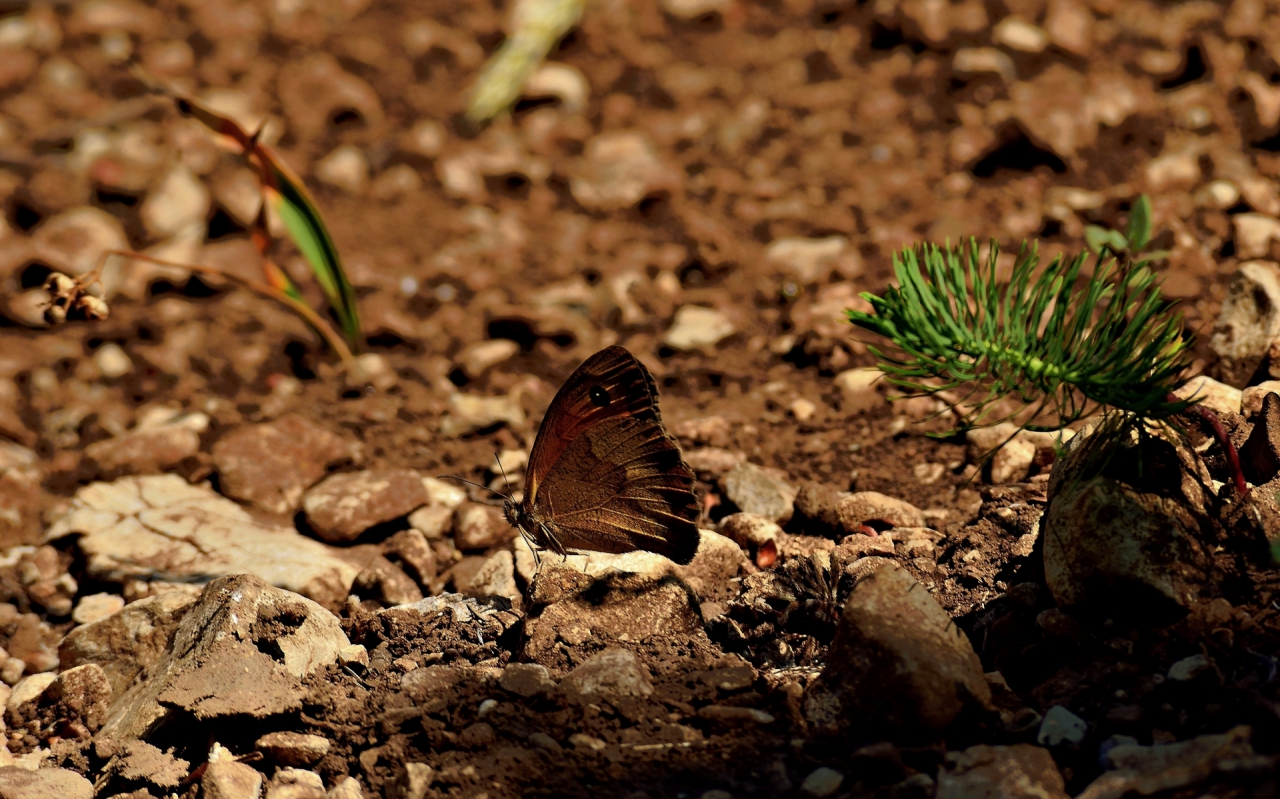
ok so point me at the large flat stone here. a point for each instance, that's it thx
(160, 528)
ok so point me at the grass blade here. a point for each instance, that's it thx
(288, 195)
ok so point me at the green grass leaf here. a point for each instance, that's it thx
(1138, 232)
(289, 196)
(307, 229)
(1099, 237)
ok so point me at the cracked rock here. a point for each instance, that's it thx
(219, 664)
(162, 529)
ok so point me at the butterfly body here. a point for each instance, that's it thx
(604, 474)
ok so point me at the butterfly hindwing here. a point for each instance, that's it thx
(604, 474)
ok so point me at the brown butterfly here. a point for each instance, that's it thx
(604, 474)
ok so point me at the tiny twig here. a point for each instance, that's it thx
(312, 318)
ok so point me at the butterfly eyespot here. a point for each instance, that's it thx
(599, 397)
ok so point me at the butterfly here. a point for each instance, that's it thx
(604, 474)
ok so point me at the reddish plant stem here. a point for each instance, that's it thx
(1224, 440)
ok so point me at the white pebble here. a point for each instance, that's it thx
(344, 168)
(695, 326)
(112, 362)
(822, 782)
(96, 606)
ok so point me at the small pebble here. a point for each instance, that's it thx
(803, 410)
(112, 361)
(1190, 667)
(822, 782)
(695, 327)
(354, 655)
(581, 740)
(345, 168)
(485, 707)
(544, 741)
(1061, 726)
(293, 748)
(92, 607)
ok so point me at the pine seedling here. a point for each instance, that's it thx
(1063, 345)
(1133, 241)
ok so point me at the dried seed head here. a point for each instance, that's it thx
(92, 308)
(55, 315)
(60, 285)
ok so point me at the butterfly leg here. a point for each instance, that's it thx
(533, 547)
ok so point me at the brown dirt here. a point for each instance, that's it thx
(870, 132)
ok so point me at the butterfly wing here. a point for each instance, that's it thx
(604, 474)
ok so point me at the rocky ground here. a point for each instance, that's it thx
(227, 566)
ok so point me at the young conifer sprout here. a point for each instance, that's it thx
(1065, 346)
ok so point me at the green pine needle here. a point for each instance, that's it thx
(1113, 343)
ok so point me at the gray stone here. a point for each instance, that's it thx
(854, 510)
(716, 561)
(822, 781)
(897, 661)
(343, 506)
(347, 788)
(1008, 772)
(1190, 667)
(95, 607)
(160, 528)
(496, 577)
(1060, 726)
(215, 666)
(608, 676)
(760, 491)
(748, 530)
(619, 169)
(468, 413)
(295, 783)
(383, 580)
(1217, 397)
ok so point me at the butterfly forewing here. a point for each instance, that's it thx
(604, 474)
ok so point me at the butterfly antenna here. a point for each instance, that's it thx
(504, 473)
(473, 483)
